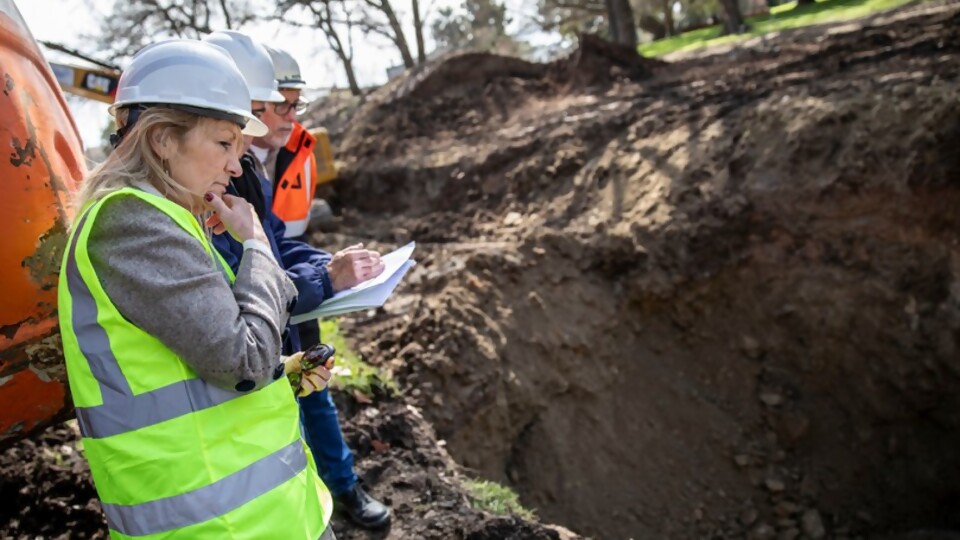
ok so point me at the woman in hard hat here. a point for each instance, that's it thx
(188, 423)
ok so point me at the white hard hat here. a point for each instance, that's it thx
(253, 60)
(191, 75)
(286, 69)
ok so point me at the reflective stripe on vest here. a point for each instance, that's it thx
(183, 459)
(209, 501)
(294, 190)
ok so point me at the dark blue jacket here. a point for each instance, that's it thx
(304, 264)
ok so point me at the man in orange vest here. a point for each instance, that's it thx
(287, 150)
(286, 153)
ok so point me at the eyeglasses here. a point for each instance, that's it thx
(284, 108)
(258, 112)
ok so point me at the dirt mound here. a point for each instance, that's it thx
(716, 302)
(459, 99)
(332, 111)
(595, 62)
(463, 73)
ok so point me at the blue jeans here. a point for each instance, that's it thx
(321, 428)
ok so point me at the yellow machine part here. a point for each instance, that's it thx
(326, 168)
(91, 83)
(42, 163)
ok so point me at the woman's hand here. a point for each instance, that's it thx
(305, 383)
(314, 380)
(352, 266)
(235, 216)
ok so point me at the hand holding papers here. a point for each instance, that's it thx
(369, 294)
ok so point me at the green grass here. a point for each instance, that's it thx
(496, 499)
(781, 17)
(351, 373)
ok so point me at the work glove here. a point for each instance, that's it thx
(309, 371)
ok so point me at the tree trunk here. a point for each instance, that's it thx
(351, 77)
(669, 29)
(623, 30)
(400, 40)
(418, 31)
(324, 17)
(733, 20)
(627, 30)
(613, 21)
(333, 38)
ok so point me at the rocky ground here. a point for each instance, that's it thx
(716, 298)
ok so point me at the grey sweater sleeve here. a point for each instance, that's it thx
(163, 281)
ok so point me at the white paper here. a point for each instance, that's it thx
(369, 294)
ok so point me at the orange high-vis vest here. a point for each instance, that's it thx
(295, 184)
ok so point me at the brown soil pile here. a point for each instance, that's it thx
(716, 302)
(713, 299)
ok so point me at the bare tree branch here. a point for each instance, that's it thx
(396, 34)
(588, 7)
(131, 24)
(193, 13)
(226, 12)
(418, 31)
(165, 11)
(330, 24)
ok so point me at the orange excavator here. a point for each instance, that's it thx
(42, 164)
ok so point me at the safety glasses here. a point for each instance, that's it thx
(284, 108)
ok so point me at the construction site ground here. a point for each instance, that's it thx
(715, 298)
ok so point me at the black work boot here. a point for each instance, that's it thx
(363, 509)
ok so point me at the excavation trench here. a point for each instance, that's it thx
(720, 302)
(796, 383)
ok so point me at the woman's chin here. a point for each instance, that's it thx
(197, 205)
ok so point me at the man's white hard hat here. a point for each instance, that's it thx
(253, 60)
(286, 69)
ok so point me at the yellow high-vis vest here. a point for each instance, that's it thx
(172, 456)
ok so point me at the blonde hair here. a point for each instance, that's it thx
(135, 161)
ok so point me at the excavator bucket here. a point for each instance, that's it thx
(41, 163)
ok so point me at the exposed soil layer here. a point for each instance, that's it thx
(718, 298)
